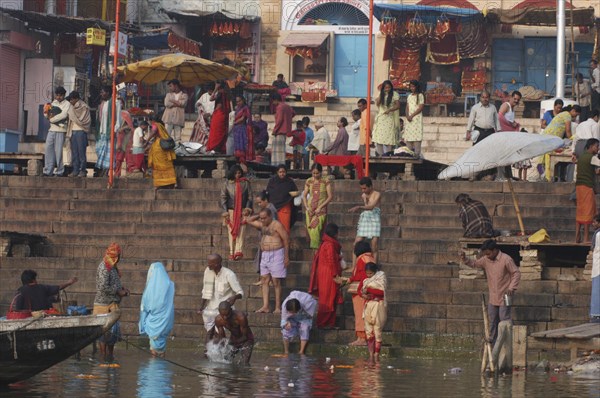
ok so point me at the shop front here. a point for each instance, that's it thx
(227, 38)
(58, 57)
(456, 51)
(323, 47)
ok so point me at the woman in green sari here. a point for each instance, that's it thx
(318, 192)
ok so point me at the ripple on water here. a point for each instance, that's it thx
(140, 375)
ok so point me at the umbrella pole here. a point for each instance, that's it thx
(516, 204)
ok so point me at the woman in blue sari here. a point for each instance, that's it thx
(157, 311)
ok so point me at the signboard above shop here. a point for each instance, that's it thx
(95, 37)
(338, 16)
(122, 44)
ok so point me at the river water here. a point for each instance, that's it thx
(140, 375)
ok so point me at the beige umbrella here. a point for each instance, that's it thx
(189, 70)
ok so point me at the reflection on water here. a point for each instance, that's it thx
(154, 379)
(143, 376)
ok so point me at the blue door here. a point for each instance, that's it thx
(507, 58)
(351, 65)
(540, 63)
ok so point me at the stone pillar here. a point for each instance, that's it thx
(221, 170)
(587, 271)
(4, 246)
(531, 266)
(34, 167)
(408, 172)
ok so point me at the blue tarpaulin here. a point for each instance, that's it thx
(427, 14)
(152, 42)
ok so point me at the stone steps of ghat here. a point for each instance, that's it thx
(420, 237)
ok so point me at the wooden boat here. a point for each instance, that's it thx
(32, 345)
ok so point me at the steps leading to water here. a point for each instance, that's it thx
(419, 249)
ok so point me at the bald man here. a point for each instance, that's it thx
(219, 284)
(241, 337)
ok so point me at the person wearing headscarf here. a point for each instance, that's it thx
(282, 191)
(109, 292)
(157, 310)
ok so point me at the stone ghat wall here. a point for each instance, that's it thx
(419, 250)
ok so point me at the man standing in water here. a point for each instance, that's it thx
(219, 284)
(241, 337)
(502, 276)
(274, 259)
(369, 223)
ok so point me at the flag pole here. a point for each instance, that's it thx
(113, 104)
(370, 75)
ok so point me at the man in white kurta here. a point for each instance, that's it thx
(220, 284)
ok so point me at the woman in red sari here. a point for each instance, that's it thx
(219, 123)
(236, 202)
(326, 267)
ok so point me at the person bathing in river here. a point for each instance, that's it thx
(219, 283)
(241, 337)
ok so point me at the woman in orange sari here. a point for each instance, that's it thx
(317, 194)
(364, 255)
(160, 160)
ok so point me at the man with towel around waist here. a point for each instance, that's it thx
(220, 284)
(369, 223)
(274, 246)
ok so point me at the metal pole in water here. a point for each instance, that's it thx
(560, 49)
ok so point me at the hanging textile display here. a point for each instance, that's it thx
(405, 67)
(443, 52)
(472, 40)
(304, 52)
(473, 81)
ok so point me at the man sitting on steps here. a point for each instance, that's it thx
(475, 218)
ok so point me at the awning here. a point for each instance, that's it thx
(541, 16)
(222, 15)
(55, 23)
(449, 3)
(166, 40)
(428, 14)
(312, 40)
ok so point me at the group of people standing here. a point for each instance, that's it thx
(389, 130)
(274, 219)
(70, 124)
